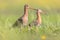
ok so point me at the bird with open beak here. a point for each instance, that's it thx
(23, 21)
(38, 20)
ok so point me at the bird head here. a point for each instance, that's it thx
(26, 6)
(39, 11)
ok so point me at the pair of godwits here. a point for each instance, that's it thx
(24, 19)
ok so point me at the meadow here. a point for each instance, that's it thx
(11, 10)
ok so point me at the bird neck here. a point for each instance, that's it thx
(38, 16)
(25, 11)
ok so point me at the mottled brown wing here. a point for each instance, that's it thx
(18, 22)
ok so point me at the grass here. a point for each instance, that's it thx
(49, 30)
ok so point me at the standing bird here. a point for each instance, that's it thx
(38, 21)
(23, 21)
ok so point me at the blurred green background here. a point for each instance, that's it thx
(11, 10)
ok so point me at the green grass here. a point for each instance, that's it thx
(50, 27)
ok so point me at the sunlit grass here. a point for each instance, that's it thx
(10, 33)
